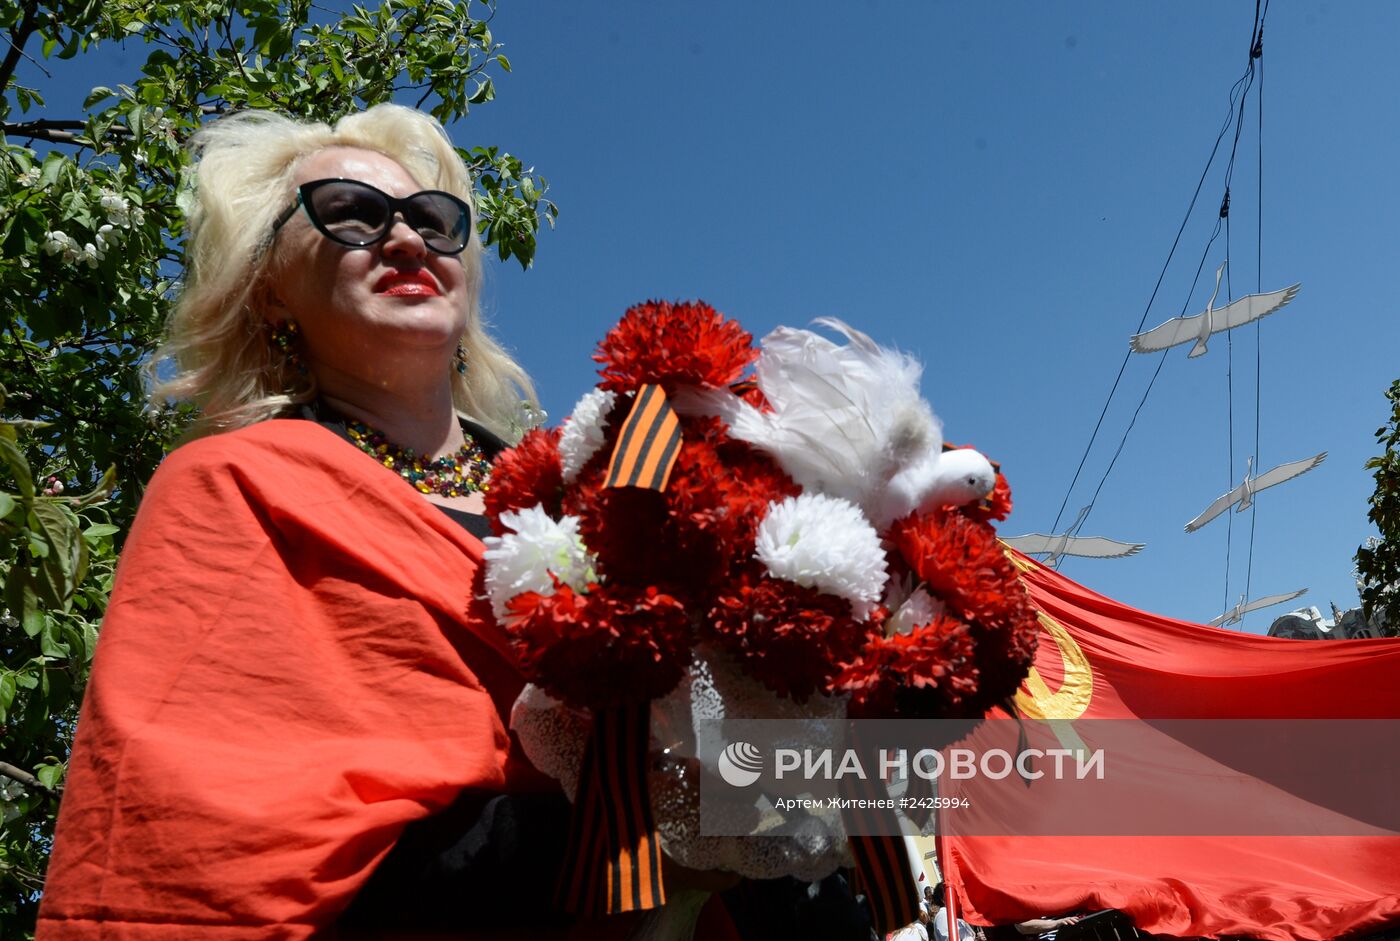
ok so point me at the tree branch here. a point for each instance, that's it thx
(56, 131)
(17, 40)
(25, 354)
(25, 778)
(233, 48)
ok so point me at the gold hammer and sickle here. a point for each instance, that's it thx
(1060, 708)
(1072, 698)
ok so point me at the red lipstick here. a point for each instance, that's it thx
(417, 283)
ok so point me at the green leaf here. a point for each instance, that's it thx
(98, 530)
(53, 166)
(62, 568)
(97, 494)
(8, 688)
(7, 505)
(19, 467)
(505, 63)
(89, 640)
(100, 93)
(51, 642)
(49, 775)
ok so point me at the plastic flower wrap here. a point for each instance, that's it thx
(802, 526)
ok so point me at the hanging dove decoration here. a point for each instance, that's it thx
(1244, 493)
(1180, 330)
(1069, 543)
(1237, 613)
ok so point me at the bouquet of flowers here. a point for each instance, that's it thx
(792, 541)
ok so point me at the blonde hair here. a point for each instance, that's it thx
(217, 336)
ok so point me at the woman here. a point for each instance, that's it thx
(295, 666)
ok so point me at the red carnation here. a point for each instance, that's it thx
(526, 475)
(966, 567)
(673, 343)
(611, 646)
(923, 674)
(689, 538)
(963, 564)
(791, 638)
(1004, 653)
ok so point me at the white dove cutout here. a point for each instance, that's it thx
(1244, 493)
(1200, 327)
(1237, 613)
(848, 421)
(1070, 543)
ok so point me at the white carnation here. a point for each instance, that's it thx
(825, 543)
(918, 609)
(584, 431)
(523, 560)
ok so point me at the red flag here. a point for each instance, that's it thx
(1099, 659)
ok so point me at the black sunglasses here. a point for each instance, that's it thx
(356, 214)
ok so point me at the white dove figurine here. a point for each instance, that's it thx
(1200, 327)
(1244, 493)
(848, 421)
(1071, 543)
(1238, 612)
(952, 478)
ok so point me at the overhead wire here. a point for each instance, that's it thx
(1256, 52)
(1171, 253)
(1238, 93)
(1229, 297)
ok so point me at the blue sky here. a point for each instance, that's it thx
(995, 188)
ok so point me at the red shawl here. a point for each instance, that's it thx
(293, 667)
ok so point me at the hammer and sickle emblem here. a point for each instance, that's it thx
(1060, 708)
(1072, 698)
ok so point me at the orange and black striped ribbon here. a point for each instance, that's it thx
(882, 862)
(613, 862)
(648, 443)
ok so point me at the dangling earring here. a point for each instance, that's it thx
(461, 357)
(285, 334)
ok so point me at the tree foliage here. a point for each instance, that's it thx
(90, 232)
(1378, 562)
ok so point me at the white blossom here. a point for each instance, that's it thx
(584, 431)
(29, 177)
(106, 237)
(117, 207)
(55, 242)
(524, 559)
(61, 243)
(825, 543)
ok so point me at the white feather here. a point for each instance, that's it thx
(848, 421)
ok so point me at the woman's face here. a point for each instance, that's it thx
(361, 309)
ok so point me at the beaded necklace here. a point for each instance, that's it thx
(463, 472)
